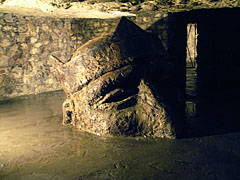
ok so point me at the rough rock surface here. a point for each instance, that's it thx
(107, 8)
(115, 84)
(62, 8)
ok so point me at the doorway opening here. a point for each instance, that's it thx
(191, 49)
(191, 73)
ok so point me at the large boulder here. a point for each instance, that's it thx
(116, 84)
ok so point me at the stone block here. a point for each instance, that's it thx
(57, 31)
(24, 46)
(1, 51)
(46, 42)
(162, 27)
(22, 28)
(31, 27)
(45, 27)
(33, 40)
(21, 37)
(8, 18)
(5, 43)
(73, 38)
(7, 28)
(4, 61)
(35, 51)
(37, 45)
(17, 72)
(158, 15)
(164, 34)
(96, 24)
(12, 50)
(146, 19)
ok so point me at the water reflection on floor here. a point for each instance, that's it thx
(209, 113)
(191, 100)
(35, 146)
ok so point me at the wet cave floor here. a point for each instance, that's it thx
(35, 146)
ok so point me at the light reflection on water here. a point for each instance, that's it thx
(191, 100)
(191, 91)
(35, 146)
(209, 112)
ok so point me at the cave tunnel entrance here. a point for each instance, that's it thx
(212, 91)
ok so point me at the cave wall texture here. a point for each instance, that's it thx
(26, 43)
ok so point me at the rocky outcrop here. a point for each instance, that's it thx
(116, 84)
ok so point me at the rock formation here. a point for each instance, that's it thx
(116, 84)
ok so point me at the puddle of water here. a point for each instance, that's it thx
(36, 146)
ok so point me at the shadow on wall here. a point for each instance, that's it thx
(218, 63)
(218, 70)
(172, 35)
(217, 73)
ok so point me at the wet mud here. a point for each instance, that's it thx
(36, 146)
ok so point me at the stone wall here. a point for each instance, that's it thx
(26, 42)
(25, 45)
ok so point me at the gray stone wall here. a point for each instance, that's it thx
(26, 42)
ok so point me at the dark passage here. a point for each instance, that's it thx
(217, 77)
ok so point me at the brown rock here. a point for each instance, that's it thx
(4, 61)
(35, 50)
(5, 43)
(33, 40)
(12, 50)
(114, 83)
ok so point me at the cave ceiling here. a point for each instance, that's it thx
(104, 9)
